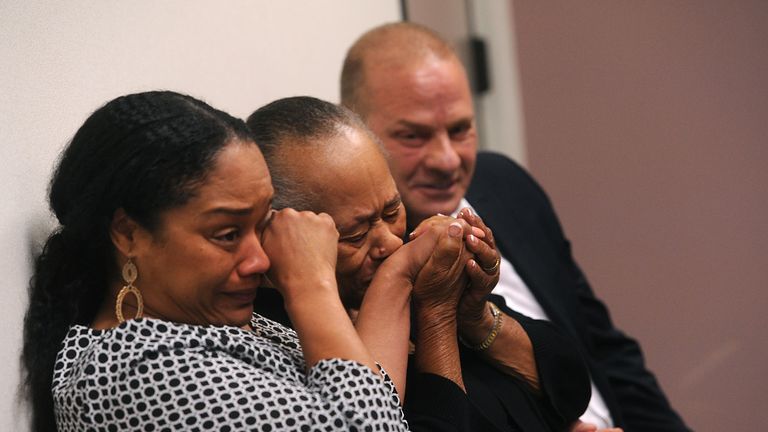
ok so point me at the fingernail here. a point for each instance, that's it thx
(478, 232)
(472, 239)
(454, 230)
(440, 214)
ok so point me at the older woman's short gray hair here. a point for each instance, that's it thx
(300, 121)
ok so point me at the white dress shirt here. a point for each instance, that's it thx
(519, 297)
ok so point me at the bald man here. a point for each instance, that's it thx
(410, 88)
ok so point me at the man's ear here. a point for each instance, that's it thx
(124, 232)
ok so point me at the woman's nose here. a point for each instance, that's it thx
(385, 241)
(254, 259)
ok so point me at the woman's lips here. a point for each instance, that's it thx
(242, 296)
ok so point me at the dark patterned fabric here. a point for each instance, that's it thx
(153, 375)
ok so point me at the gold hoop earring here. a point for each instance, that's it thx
(130, 273)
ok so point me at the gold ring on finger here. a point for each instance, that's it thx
(492, 269)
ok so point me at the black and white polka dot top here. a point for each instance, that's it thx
(153, 375)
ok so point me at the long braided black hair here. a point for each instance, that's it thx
(144, 153)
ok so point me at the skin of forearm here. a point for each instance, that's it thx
(324, 328)
(437, 349)
(511, 351)
(384, 325)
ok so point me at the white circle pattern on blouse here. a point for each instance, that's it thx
(151, 375)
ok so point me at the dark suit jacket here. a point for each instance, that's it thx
(529, 235)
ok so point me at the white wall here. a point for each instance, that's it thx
(63, 59)
(500, 110)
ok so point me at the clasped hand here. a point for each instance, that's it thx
(461, 270)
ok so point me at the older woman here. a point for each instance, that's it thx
(515, 374)
(141, 309)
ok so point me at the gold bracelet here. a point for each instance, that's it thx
(497, 321)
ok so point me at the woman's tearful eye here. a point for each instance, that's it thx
(392, 216)
(354, 239)
(227, 237)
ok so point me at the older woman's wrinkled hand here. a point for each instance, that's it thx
(442, 279)
(406, 262)
(483, 271)
(436, 294)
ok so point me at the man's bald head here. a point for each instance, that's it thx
(388, 46)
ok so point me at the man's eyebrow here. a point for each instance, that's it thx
(413, 125)
(462, 122)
